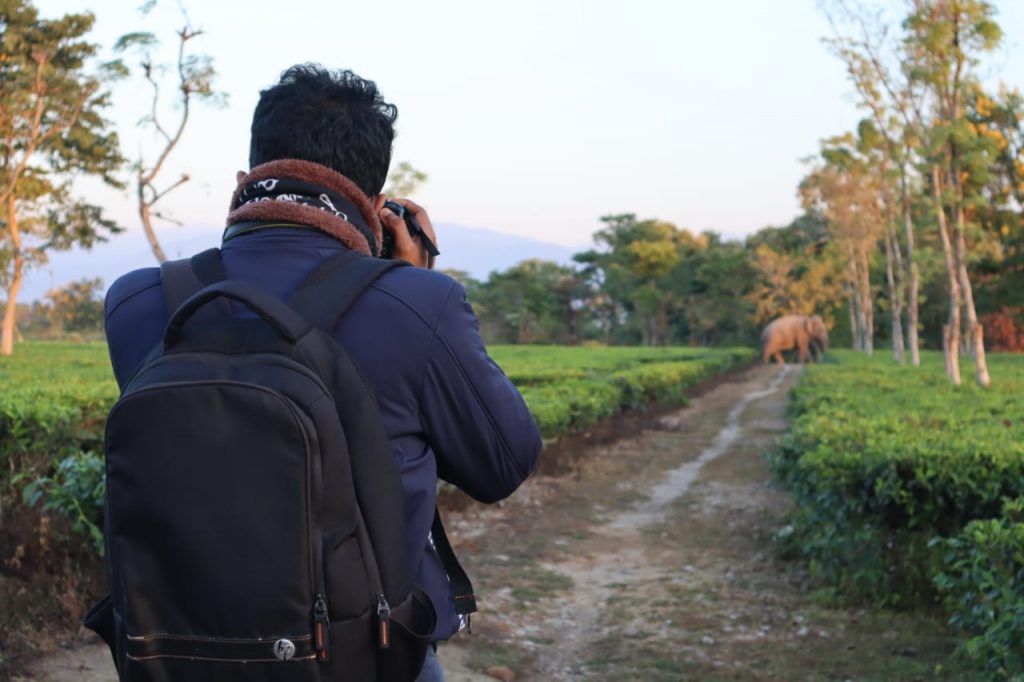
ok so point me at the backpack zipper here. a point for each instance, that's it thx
(321, 628)
(321, 614)
(384, 622)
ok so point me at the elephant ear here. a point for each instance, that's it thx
(809, 325)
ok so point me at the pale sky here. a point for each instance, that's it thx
(533, 117)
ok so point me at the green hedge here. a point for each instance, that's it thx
(901, 482)
(54, 398)
(982, 583)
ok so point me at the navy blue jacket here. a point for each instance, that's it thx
(448, 409)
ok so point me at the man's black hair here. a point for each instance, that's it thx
(334, 118)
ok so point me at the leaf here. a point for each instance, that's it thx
(137, 39)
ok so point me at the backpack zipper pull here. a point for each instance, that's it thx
(384, 620)
(322, 623)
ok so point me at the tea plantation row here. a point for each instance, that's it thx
(54, 398)
(910, 490)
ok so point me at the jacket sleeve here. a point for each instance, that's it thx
(477, 423)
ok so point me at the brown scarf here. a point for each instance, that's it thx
(315, 210)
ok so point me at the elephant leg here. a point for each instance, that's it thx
(804, 355)
(779, 359)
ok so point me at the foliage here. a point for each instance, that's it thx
(76, 489)
(567, 389)
(404, 180)
(901, 481)
(647, 282)
(52, 100)
(78, 306)
(1004, 329)
(535, 301)
(54, 398)
(881, 456)
(982, 582)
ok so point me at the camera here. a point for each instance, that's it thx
(387, 248)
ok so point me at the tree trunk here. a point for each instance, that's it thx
(975, 338)
(662, 324)
(691, 322)
(895, 304)
(860, 300)
(613, 320)
(146, 216)
(951, 338)
(854, 333)
(915, 284)
(14, 287)
(867, 308)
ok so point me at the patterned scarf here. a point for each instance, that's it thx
(306, 193)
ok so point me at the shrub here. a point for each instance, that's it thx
(982, 584)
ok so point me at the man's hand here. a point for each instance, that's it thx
(406, 247)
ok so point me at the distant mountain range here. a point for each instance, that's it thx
(473, 250)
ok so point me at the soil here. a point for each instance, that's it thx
(652, 558)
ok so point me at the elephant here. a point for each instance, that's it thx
(807, 334)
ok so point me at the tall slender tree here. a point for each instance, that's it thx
(193, 79)
(862, 40)
(51, 129)
(945, 40)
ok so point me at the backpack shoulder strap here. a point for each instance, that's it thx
(330, 290)
(323, 298)
(461, 586)
(182, 278)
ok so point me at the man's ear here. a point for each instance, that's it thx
(239, 176)
(378, 202)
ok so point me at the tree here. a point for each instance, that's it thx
(404, 180)
(194, 75)
(535, 301)
(51, 124)
(844, 188)
(719, 310)
(944, 41)
(78, 307)
(861, 40)
(1000, 266)
(633, 267)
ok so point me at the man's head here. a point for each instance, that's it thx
(334, 118)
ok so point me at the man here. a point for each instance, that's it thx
(319, 156)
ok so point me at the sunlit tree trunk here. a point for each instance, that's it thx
(895, 304)
(867, 308)
(914, 283)
(146, 216)
(860, 298)
(951, 335)
(854, 331)
(14, 285)
(975, 335)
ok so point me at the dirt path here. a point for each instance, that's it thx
(652, 560)
(655, 561)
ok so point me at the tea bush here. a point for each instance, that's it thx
(902, 482)
(54, 398)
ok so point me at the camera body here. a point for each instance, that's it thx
(387, 247)
(387, 241)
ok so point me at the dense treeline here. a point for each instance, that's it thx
(649, 282)
(73, 312)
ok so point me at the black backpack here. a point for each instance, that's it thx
(254, 514)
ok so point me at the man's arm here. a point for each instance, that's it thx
(134, 319)
(484, 437)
